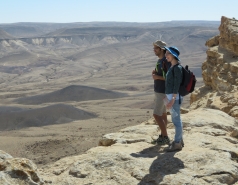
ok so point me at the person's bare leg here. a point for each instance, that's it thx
(164, 117)
(162, 124)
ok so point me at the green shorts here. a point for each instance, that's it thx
(159, 108)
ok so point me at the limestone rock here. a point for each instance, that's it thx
(214, 41)
(18, 171)
(184, 110)
(141, 133)
(4, 155)
(220, 71)
(234, 111)
(229, 34)
(209, 156)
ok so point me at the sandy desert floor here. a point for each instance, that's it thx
(49, 143)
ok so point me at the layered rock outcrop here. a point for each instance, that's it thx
(14, 171)
(220, 71)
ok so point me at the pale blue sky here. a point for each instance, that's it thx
(66, 11)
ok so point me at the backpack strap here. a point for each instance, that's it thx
(165, 66)
(161, 66)
(173, 68)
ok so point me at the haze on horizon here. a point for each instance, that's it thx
(62, 11)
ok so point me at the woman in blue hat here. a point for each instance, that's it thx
(173, 80)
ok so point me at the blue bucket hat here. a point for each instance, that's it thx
(174, 51)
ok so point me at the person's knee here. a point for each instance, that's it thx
(155, 115)
(176, 120)
(178, 127)
(164, 114)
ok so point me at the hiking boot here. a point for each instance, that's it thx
(160, 138)
(174, 147)
(163, 141)
(182, 143)
(157, 140)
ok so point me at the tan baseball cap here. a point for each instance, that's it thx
(160, 44)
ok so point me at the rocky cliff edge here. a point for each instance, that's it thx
(210, 156)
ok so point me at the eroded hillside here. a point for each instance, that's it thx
(91, 51)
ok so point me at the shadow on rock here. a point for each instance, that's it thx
(164, 164)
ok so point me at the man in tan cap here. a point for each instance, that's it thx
(159, 74)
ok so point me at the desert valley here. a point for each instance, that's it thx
(65, 85)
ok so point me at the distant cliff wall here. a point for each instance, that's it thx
(220, 71)
(76, 40)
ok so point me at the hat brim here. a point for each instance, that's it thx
(159, 46)
(166, 48)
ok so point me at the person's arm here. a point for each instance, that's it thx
(157, 77)
(171, 102)
(177, 79)
(154, 71)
